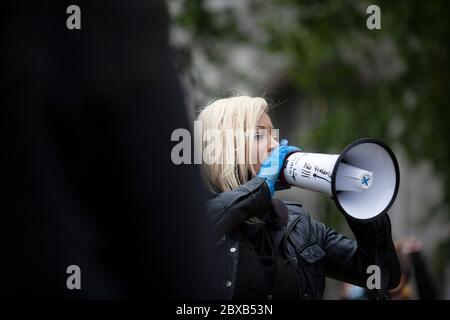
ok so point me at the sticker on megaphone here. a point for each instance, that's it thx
(313, 171)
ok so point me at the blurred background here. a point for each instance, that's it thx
(330, 80)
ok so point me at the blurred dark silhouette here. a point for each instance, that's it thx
(87, 120)
(414, 272)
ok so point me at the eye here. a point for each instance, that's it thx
(259, 135)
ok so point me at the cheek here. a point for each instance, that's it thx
(254, 157)
(263, 151)
(260, 153)
(263, 155)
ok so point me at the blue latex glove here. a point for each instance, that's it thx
(271, 167)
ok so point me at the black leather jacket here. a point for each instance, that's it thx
(313, 250)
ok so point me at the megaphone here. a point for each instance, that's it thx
(363, 180)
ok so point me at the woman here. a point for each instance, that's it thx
(265, 248)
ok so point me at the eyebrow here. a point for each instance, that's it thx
(263, 127)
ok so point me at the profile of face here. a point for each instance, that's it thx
(238, 136)
(265, 140)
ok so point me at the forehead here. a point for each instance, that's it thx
(265, 121)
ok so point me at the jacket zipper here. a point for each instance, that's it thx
(293, 262)
(291, 226)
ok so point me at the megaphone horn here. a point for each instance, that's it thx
(363, 179)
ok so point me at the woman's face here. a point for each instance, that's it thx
(265, 140)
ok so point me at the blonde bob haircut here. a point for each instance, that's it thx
(232, 166)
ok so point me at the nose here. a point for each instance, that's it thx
(272, 144)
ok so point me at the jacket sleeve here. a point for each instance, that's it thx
(228, 209)
(347, 260)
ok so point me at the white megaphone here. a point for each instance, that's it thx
(363, 180)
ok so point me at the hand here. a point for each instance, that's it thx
(271, 167)
(410, 245)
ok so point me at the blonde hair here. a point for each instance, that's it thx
(239, 115)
